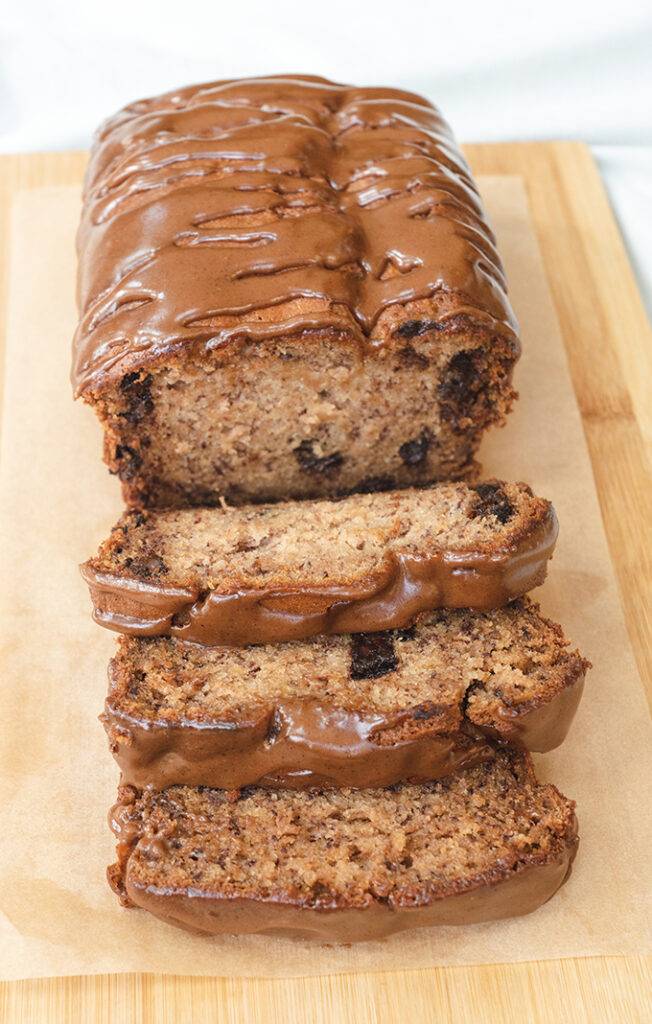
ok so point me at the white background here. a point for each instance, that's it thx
(580, 69)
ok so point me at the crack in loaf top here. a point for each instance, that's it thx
(274, 206)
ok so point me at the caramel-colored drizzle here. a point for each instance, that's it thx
(207, 206)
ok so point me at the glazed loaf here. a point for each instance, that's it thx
(346, 865)
(287, 289)
(363, 711)
(269, 573)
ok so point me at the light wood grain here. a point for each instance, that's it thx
(609, 345)
(608, 341)
(605, 990)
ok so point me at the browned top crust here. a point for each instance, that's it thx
(273, 206)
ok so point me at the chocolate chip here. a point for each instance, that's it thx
(492, 501)
(320, 889)
(413, 328)
(413, 359)
(128, 380)
(138, 395)
(460, 385)
(311, 462)
(129, 459)
(414, 452)
(145, 568)
(372, 655)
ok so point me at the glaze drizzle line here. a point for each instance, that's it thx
(273, 206)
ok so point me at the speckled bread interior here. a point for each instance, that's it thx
(367, 710)
(401, 857)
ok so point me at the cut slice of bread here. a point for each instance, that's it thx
(270, 573)
(346, 865)
(367, 710)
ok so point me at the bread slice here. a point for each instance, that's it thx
(369, 710)
(288, 288)
(269, 573)
(346, 865)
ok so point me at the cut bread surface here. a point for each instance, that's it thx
(511, 657)
(192, 855)
(279, 419)
(296, 569)
(366, 710)
(317, 542)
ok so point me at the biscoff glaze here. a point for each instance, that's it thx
(220, 862)
(402, 587)
(303, 743)
(209, 207)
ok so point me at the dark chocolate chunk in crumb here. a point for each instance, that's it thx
(147, 567)
(415, 452)
(129, 380)
(138, 395)
(312, 462)
(461, 384)
(492, 501)
(413, 328)
(129, 461)
(372, 655)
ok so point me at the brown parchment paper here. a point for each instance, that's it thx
(57, 779)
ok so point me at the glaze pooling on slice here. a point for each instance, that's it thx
(325, 202)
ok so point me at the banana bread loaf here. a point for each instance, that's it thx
(287, 288)
(268, 573)
(346, 865)
(369, 710)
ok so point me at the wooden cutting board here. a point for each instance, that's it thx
(609, 345)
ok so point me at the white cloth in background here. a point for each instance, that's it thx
(569, 69)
